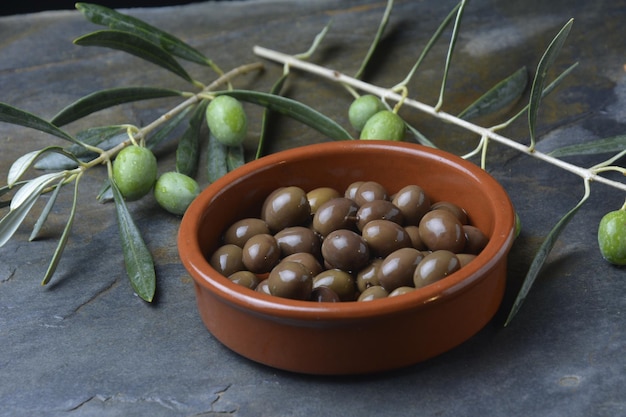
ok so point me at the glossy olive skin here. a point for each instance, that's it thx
(435, 266)
(350, 191)
(458, 212)
(298, 239)
(134, 172)
(319, 196)
(290, 280)
(368, 276)
(227, 121)
(413, 202)
(398, 267)
(175, 191)
(369, 191)
(309, 261)
(401, 291)
(362, 109)
(414, 235)
(345, 250)
(384, 237)
(245, 278)
(442, 230)
(612, 237)
(324, 295)
(384, 125)
(227, 259)
(285, 207)
(335, 214)
(261, 253)
(373, 293)
(240, 231)
(378, 210)
(475, 239)
(341, 282)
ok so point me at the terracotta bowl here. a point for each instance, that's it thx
(349, 337)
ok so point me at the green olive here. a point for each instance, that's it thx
(612, 237)
(134, 171)
(175, 191)
(385, 125)
(227, 120)
(362, 109)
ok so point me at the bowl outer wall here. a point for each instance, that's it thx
(439, 316)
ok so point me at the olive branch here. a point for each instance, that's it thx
(99, 145)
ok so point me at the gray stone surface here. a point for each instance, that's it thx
(85, 345)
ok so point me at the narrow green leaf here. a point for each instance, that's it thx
(46, 211)
(58, 253)
(294, 109)
(168, 127)
(419, 136)
(137, 257)
(216, 164)
(499, 96)
(23, 163)
(235, 157)
(536, 92)
(542, 255)
(599, 146)
(13, 115)
(134, 45)
(379, 34)
(34, 186)
(188, 150)
(275, 90)
(104, 99)
(105, 16)
(5, 190)
(453, 38)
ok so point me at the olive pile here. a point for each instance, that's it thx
(361, 245)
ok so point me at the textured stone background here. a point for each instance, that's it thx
(85, 345)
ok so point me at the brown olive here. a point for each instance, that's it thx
(368, 276)
(414, 235)
(370, 191)
(458, 212)
(285, 207)
(440, 229)
(384, 237)
(261, 253)
(298, 239)
(263, 287)
(378, 210)
(341, 282)
(413, 202)
(465, 258)
(398, 267)
(309, 261)
(324, 295)
(335, 214)
(346, 250)
(290, 280)
(319, 196)
(401, 291)
(373, 293)
(228, 259)
(239, 232)
(475, 239)
(350, 192)
(435, 266)
(245, 278)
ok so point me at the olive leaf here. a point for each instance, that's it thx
(294, 109)
(217, 154)
(379, 34)
(13, 115)
(542, 255)
(134, 45)
(419, 136)
(104, 99)
(499, 96)
(536, 91)
(275, 90)
(453, 38)
(137, 257)
(46, 211)
(58, 252)
(188, 149)
(235, 157)
(23, 163)
(105, 16)
(166, 129)
(599, 146)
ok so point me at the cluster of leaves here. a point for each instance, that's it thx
(99, 145)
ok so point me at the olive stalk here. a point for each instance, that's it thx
(384, 93)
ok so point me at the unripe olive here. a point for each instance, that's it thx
(384, 125)
(362, 109)
(134, 171)
(612, 237)
(227, 120)
(175, 191)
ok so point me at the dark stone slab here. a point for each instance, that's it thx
(85, 345)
